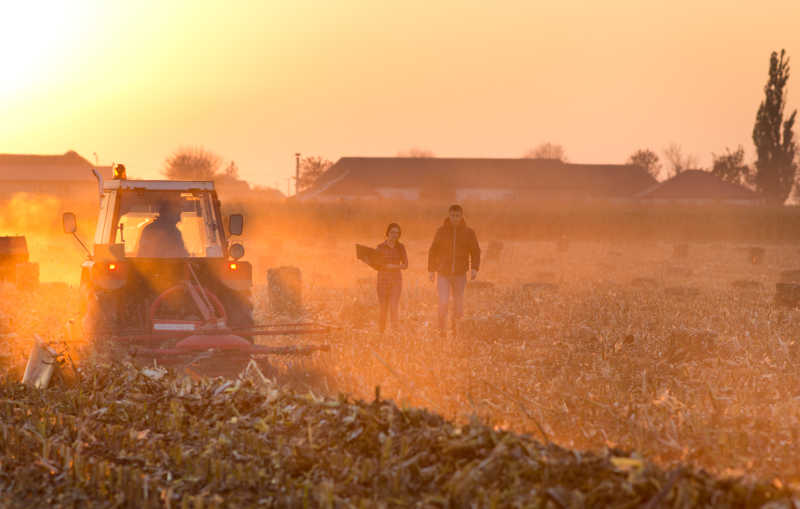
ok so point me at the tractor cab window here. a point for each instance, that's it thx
(167, 224)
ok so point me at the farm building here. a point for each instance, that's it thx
(63, 175)
(700, 187)
(70, 175)
(235, 189)
(474, 179)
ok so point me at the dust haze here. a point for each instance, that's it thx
(591, 326)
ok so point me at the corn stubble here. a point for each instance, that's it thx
(143, 438)
(597, 356)
(604, 352)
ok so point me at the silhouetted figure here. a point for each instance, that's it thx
(454, 251)
(392, 258)
(161, 238)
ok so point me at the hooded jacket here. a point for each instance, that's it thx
(162, 239)
(454, 250)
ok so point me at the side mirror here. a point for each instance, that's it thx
(235, 224)
(69, 222)
(236, 251)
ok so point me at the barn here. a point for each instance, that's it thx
(67, 174)
(474, 179)
(700, 187)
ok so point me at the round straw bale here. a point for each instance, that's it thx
(285, 290)
(787, 294)
(746, 284)
(790, 276)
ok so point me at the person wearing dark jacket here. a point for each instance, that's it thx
(162, 238)
(392, 258)
(454, 251)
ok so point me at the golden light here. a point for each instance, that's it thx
(36, 38)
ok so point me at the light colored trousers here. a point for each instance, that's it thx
(447, 285)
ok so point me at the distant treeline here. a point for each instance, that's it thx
(513, 220)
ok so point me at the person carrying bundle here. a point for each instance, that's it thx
(391, 258)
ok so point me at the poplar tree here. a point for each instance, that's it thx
(776, 168)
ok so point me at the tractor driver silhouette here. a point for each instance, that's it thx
(161, 238)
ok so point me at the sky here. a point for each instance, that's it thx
(256, 82)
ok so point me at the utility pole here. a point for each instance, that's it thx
(96, 162)
(296, 171)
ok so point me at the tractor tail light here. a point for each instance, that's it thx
(237, 275)
(110, 275)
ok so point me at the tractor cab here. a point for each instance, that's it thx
(149, 221)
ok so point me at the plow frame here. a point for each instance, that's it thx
(149, 344)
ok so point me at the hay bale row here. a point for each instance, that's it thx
(787, 294)
(682, 291)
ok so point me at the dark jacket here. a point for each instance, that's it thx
(390, 280)
(454, 250)
(161, 239)
(391, 256)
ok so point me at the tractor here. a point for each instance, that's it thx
(164, 281)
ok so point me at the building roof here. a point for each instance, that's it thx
(698, 185)
(65, 167)
(363, 175)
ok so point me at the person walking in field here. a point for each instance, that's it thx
(453, 253)
(392, 258)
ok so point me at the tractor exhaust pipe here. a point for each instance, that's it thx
(100, 181)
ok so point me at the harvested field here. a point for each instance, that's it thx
(595, 364)
(608, 363)
(122, 437)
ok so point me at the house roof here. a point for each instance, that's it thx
(362, 175)
(698, 185)
(65, 167)
(268, 193)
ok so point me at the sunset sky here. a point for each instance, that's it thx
(256, 82)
